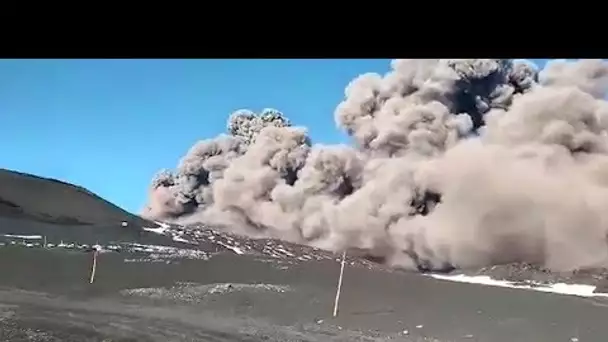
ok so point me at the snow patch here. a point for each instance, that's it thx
(161, 229)
(163, 224)
(25, 237)
(179, 238)
(160, 252)
(232, 248)
(579, 290)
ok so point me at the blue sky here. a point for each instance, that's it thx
(110, 125)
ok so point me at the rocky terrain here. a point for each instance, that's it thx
(516, 273)
(159, 282)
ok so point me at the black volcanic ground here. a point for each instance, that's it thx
(158, 283)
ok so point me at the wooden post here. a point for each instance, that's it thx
(339, 289)
(94, 267)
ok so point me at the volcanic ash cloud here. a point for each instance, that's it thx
(453, 163)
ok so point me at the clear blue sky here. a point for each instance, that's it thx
(110, 125)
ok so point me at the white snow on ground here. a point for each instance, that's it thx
(161, 252)
(25, 237)
(179, 238)
(151, 248)
(244, 246)
(163, 224)
(232, 248)
(557, 288)
(163, 227)
(159, 230)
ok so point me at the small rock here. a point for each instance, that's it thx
(419, 326)
(405, 332)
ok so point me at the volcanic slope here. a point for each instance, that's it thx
(30, 197)
(162, 282)
(245, 290)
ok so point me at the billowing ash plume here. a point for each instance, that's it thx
(454, 163)
(246, 125)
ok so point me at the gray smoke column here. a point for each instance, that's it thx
(453, 163)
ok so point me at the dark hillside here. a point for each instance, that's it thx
(25, 196)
